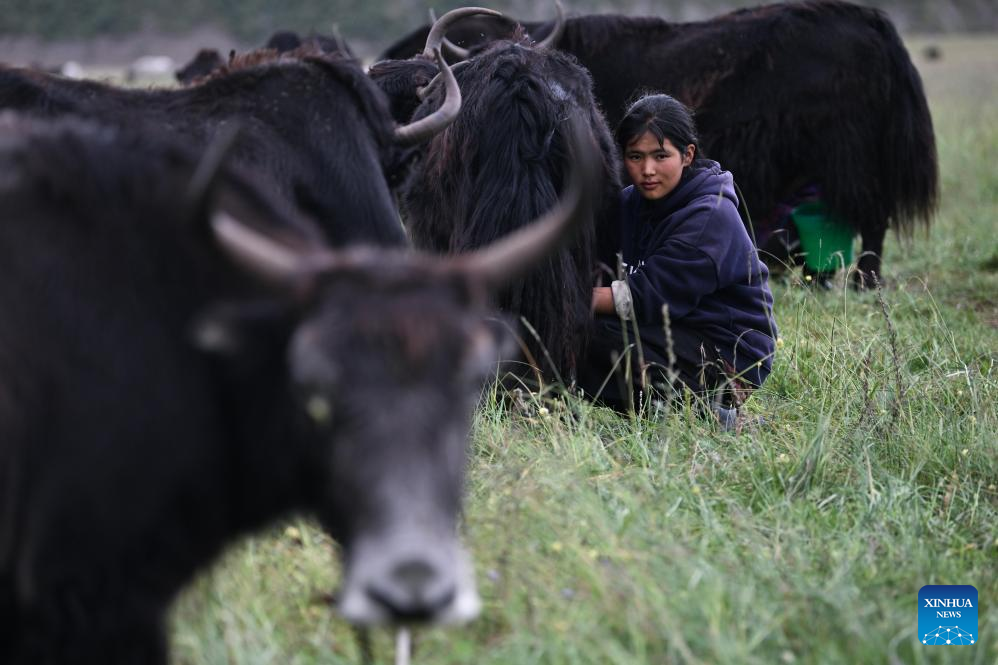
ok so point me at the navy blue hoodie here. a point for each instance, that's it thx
(690, 250)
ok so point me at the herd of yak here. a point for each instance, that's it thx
(281, 287)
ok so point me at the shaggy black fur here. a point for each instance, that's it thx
(502, 164)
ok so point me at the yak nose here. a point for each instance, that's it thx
(413, 576)
(414, 590)
(408, 578)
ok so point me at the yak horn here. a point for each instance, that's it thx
(450, 49)
(275, 262)
(512, 256)
(209, 168)
(551, 41)
(459, 53)
(454, 51)
(424, 91)
(437, 37)
(424, 128)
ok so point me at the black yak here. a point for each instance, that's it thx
(183, 361)
(315, 126)
(788, 95)
(500, 164)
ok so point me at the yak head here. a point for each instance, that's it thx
(386, 357)
(401, 80)
(204, 63)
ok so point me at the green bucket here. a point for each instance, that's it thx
(825, 240)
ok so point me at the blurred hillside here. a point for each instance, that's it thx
(110, 31)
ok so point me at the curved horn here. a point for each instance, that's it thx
(425, 90)
(276, 262)
(454, 51)
(551, 41)
(510, 257)
(436, 38)
(424, 128)
(451, 49)
(209, 168)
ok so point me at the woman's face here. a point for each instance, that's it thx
(655, 169)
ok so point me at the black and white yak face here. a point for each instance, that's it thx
(390, 374)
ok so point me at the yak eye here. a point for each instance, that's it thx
(319, 409)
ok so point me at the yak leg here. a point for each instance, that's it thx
(868, 269)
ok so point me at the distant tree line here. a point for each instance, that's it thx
(252, 20)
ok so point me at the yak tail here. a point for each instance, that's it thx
(909, 164)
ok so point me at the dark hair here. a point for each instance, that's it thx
(662, 115)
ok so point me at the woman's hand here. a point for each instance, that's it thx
(603, 300)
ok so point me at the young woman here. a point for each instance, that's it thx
(684, 249)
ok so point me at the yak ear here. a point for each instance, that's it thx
(229, 329)
(199, 198)
(504, 338)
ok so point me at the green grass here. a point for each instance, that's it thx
(600, 539)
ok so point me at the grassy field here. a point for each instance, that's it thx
(600, 539)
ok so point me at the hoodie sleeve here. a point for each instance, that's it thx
(677, 274)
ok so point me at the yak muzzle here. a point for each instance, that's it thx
(409, 579)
